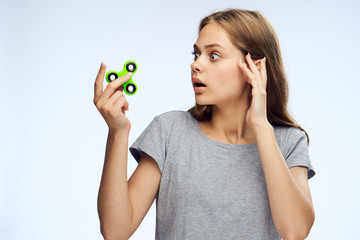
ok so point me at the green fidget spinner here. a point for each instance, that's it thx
(130, 87)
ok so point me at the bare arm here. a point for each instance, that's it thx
(122, 204)
(114, 206)
(288, 189)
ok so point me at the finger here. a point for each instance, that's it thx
(122, 104)
(115, 97)
(242, 65)
(255, 85)
(251, 79)
(116, 85)
(99, 82)
(126, 106)
(251, 64)
(249, 75)
(263, 70)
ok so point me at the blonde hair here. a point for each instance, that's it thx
(251, 32)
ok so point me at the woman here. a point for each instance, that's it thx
(235, 166)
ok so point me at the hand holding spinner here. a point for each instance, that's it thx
(130, 87)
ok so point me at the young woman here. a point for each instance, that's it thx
(235, 166)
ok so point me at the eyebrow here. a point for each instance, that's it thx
(210, 46)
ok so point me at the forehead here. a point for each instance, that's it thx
(213, 33)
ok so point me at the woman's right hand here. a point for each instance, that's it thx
(111, 102)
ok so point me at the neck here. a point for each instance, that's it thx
(229, 123)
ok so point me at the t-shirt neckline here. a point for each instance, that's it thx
(221, 144)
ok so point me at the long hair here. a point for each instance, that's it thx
(251, 32)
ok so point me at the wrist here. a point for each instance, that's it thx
(119, 132)
(263, 128)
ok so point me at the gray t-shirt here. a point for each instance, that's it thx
(208, 189)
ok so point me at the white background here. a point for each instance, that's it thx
(52, 138)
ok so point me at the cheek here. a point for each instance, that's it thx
(228, 77)
(224, 73)
(234, 78)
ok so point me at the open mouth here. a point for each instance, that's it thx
(199, 85)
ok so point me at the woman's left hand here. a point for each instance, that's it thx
(257, 78)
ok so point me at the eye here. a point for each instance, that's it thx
(214, 56)
(196, 55)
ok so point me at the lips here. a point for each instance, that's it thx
(198, 85)
(197, 82)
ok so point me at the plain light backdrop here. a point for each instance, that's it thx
(52, 138)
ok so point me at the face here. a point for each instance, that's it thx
(216, 77)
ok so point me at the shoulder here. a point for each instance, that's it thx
(288, 137)
(174, 120)
(174, 116)
(286, 134)
(176, 124)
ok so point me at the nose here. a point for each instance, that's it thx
(196, 66)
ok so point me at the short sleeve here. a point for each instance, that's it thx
(152, 141)
(297, 153)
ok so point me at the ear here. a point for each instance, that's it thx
(258, 64)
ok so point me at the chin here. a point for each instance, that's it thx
(202, 101)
